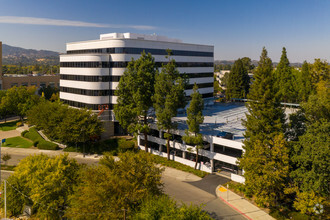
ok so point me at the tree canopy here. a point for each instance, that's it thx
(168, 98)
(115, 188)
(134, 91)
(44, 183)
(238, 81)
(284, 80)
(63, 123)
(265, 160)
(194, 119)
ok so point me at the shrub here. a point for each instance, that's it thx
(46, 145)
(33, 135)
(179, 166)
(38, 141)
(19, 124)
(35, 143)
(24, 132)
(125, 145)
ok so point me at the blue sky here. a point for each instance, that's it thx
(236, 28)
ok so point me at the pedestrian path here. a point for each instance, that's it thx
(13, 133)
(241, 205)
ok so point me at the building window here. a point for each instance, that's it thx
(43, 84)
(14, 84)
(24, 84)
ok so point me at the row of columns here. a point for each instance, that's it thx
(184, 153)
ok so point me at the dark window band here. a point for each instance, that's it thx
(117, 78)
(90, 78)
(88, 92)
(199, 75)
(96, 106)
(84, 105)
(124, 64)
(207, 95)
(201, 85)
(132, 50)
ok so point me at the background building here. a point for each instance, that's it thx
(90, 70)
(10, 80)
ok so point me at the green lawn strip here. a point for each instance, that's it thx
(38, 141)
(179, 166)
(8, 126)
(18, 142)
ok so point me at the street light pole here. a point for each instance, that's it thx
(5, 199)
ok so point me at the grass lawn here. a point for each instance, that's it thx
(8, 126)
(17, 142)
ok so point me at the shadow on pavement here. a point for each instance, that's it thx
(210, 183)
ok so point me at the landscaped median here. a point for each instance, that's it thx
(17, 142)
(8, 126)
(179, 166)
(38, 141)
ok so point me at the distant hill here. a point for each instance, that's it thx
(20, 56)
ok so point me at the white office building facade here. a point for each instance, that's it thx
(90, 70)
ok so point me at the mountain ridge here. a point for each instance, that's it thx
(12, 55)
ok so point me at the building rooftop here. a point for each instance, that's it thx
(220, 118)
(152, 37)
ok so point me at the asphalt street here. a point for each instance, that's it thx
(187, 193)
(190, 191)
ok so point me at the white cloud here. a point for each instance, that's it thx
(56, 22)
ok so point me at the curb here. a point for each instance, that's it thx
(217, 189)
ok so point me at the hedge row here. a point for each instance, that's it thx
(38, 141)
(112, 146)
(178, 166)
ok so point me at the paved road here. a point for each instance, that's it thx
(188, 193)
(181, 186)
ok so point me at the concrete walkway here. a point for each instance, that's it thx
(13, 133)
(241, 205)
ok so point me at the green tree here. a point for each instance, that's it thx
(311, 159)
(19, 100)
(168, 98)
(194, 119)
(48, 91)
(320, 71)
(163, 207)
(5, 157)
(44, 183)
(265, 160)
(305, 86)
(311, 166)
(238, 81)
(115, 188)
(247, 64)
(284, 79)
(216, 86)
(63, 123)
(135, 89)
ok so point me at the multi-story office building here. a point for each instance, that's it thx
(90, 70)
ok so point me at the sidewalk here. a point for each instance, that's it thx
(241, 205)
(13, 133)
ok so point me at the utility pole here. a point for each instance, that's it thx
(5, 199)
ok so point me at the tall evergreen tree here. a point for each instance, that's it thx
(135, 89)
(265, 160)
(194, 119)
(168, 98)
(238, 82)
(284, 79)
(305, 83)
